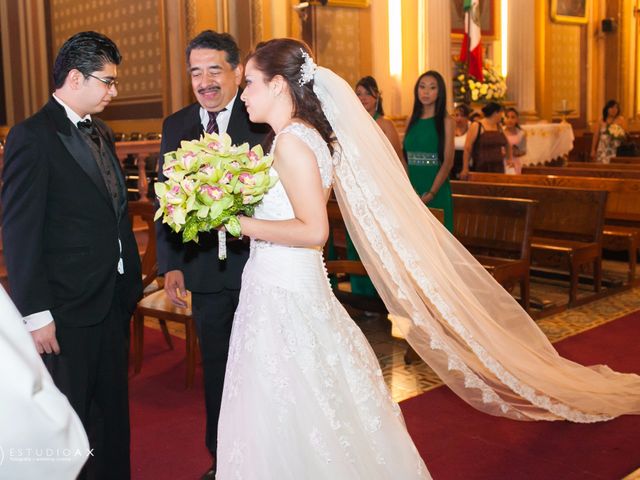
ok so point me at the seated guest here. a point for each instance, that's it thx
(605, 143)
(371, 99)
(517, 137)
(486, 143)
(461, 127)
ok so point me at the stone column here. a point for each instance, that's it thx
(438, 42)
(521, 78)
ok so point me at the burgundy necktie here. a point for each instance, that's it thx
(212, 126)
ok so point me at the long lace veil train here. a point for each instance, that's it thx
(473, 334)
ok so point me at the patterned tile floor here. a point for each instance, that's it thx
(406, 381)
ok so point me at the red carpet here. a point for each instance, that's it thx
(456, 441)
(167, 421)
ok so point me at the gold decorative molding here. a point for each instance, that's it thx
(348, 3)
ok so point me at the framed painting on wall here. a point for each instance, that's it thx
(569, 11)
(487, 17)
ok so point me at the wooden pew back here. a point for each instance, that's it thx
(611, 172)
(632, 160)
(623, 200)
(563, 213)
(497, 227)
(603, 166)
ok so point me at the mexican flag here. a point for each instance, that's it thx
(471, 45)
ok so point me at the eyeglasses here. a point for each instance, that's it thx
(109, 83)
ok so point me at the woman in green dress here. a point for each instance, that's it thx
(428, 144)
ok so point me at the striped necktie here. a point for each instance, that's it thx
(212, 126)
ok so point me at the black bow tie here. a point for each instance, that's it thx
(86, 124)
(87, 128)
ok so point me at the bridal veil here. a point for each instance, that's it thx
(472, 332)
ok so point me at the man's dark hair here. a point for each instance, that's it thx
(87, 52)
(216, 41)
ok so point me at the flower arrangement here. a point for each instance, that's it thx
(616, 132)
(467, 89)
(209, 183)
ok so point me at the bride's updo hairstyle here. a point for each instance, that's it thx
(284, 56)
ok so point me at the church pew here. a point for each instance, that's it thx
(631, 160)
(603, 166)
(497, 231)
(621, 231)
(342, 266)
(611, 172)
(567, 228)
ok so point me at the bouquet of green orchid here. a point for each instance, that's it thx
(209, 183)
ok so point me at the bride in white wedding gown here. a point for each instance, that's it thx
(304, 396)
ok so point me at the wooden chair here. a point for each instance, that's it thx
(157, 304)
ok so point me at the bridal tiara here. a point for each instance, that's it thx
(307, 69)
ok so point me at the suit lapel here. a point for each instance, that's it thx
(193, 129)
(238, 120)
(77, 147)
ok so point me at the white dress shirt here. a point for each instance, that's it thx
(222, 118)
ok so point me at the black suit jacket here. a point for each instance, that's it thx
(60, 229)
(203, 272)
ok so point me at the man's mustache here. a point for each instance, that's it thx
(209, 89)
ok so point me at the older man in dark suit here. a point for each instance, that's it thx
(72, 261)
(213, 63)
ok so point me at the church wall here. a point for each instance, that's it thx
(577, 63)
(136, 29)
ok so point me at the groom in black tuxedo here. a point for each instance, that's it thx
(72, 261)
(213, 64)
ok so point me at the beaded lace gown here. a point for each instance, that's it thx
(304, 396)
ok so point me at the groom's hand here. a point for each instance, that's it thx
(174, 287)
(45, 339)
